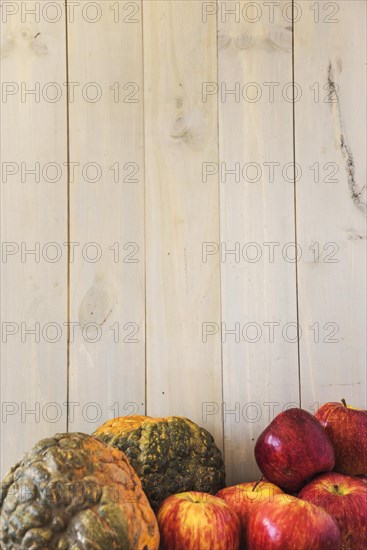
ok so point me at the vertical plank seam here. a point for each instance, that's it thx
(295, 206)
(220, 233)
(145, 224)
(1, 264)
(67, 217)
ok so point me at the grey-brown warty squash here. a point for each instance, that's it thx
(170, 455)
(71, 492)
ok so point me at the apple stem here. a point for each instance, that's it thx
(344, 402)
(257, 483)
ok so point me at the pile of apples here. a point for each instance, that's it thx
(312, 496)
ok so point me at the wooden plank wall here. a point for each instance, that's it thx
(258, 290)
(330, 148)
(107, 278)
(167, 164)
(33, 218)
(183, 373)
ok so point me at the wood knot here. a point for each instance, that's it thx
(280, 38)
(96, 305)
(224, 40)
(7, 44)
(179, 102)
(38, 45)
(275, 37)
(244, 41)
(24, 37)
(189, 126)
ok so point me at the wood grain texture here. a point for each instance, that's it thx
(260, 365)
(331, 138)
(33, 215)
(107, 289)
(182, 212)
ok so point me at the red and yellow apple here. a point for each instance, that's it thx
(289, 523)
(363, 478)
(244, 497)
(345, 498)
(293, 449)
(197, 521)
(347, 429)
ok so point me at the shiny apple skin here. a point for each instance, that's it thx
(197, 521)
(293, 449)
(289, 523)
(243, 498)
(347, 429)
(344, 498)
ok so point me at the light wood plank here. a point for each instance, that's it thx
(183, 373)
(107, 377)
(260, 370)
(33, 214)
(332, 288)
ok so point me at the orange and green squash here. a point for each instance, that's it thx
(170, 455)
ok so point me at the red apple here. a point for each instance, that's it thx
(345, 498)
(244, 497)
(363, 478)
(293, 449)
(347, 429)
(197, 521)
(289, 523)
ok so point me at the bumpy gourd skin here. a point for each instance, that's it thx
(170, 455)
(71, 492)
